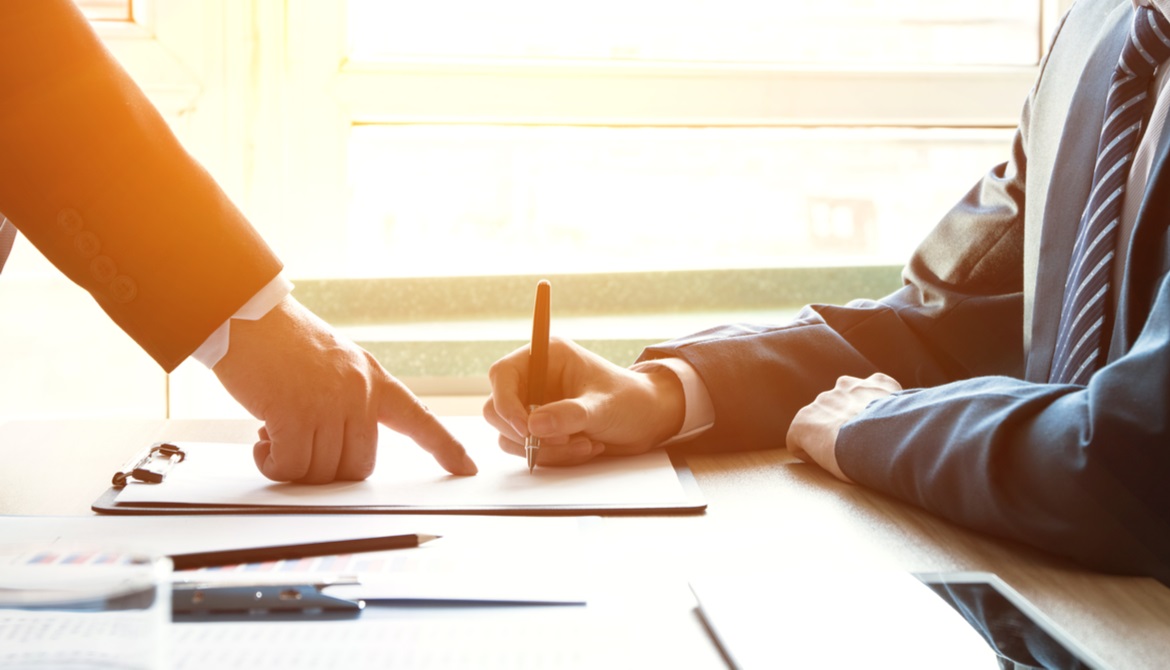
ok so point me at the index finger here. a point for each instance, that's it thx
(508, 389)
(401, 411)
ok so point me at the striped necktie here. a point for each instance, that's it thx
(1081, 340)
(7, 237)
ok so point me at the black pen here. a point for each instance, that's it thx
(538, 362)
(279, 552)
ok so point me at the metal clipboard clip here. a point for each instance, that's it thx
(151, 467)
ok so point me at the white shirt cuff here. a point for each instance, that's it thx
(699, 411)
(215, 346)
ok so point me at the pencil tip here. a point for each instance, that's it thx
(427, 538)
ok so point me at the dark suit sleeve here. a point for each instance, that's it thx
(1081, 471)
(93, 177)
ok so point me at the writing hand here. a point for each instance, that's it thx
(321, 398)
(812, 436)
(592, 406)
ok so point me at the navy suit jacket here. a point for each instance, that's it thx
(93, 177)
(979, 436)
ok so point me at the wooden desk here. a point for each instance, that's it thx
(767, 512)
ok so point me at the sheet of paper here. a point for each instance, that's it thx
(53, 639)
(627, 624)
(452, 642)
(450, 638)
(477, 558)
(628, 633)
(224, 474)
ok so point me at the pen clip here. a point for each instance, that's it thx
(151, 467)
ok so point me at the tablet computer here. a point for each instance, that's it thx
(1014, 628)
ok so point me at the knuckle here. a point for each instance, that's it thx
(369, 360)
(496, 371)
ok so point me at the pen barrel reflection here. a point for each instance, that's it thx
(538, 361)
(538, 352)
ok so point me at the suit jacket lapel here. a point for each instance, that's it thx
(1072, 176)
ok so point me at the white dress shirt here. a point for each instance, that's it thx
(216, 345)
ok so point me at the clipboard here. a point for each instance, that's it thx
(174, 477)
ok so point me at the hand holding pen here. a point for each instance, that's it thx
(577, 405)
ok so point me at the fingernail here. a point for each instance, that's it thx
(520, 426)
(469, 467)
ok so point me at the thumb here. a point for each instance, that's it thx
(562, 418)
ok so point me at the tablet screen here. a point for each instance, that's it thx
(1014, 629)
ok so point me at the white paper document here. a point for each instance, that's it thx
(488, 562)
(407, 476)
(95, 640)
(455, 641)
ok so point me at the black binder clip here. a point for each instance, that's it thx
(152, 467)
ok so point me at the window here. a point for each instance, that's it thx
(731, 158)
(566, 137)
(552, 199)
(733, 141)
